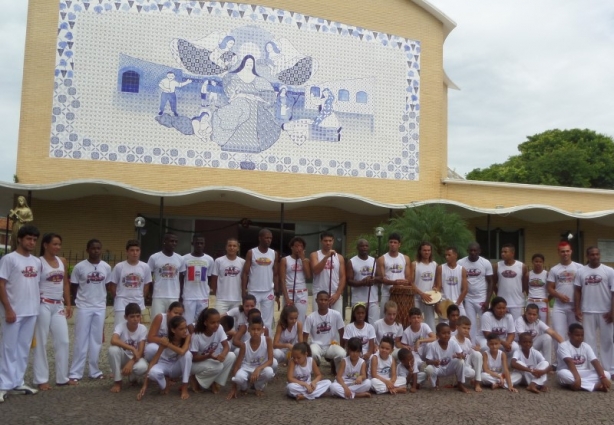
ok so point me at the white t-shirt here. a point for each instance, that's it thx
(131, 338)
(536, 328)
(563, 278)
(451, 282)
(466, 345)
(477, 271)
(582, 356)
(203, 344)
(363, 269)
(166, 271)
(499, 327)
(130, 281)
(365, 334)
(394, 331)
(21, 274)
(196, 279)
(324, 329)
(402, 371)
(434, 351)
(537, 285)
(228, 274)
(509, 285)
(91, 278)
(410, 337)
(597, 285)
(535, 357)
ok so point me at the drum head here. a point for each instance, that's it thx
(443, 307)
(435, 297)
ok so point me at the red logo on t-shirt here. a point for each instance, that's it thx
(29, 271)
(510, 274)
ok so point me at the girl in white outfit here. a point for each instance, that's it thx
(300, 369)
(384, 370)
(289, 332)
(352, 379)
(159, 329)
(496, 373)
(359, 328)
(212, 359)
(173, 360)
(542, 334)
(52, 314)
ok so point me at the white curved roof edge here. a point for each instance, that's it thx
(528, 186)
(448, 24)
(318, 196)
(448, 82)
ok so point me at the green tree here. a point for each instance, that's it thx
(576, 158)
(430, 223)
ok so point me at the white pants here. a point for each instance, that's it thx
(51, 317)
(160, 306)
(516, 312)
(374, 314)
(119, 318)
(543, 344)
(151, 348)
(473, 366)
(15, 350)
(561, 319)
(89, 326)
(300, 302)
(488, 379)
(192, 308)
(294, 390)
(281, 355)
(455, 367)
(209, 371)
(592, 322)
(338, 306)
(177, 369)
(265, 302)
(224, 306)
(528, 377)
(337, 389)
(242, 376)
(588, 378)
(332, 352)
(428, 311)
(118, 359)
(474, 313)
(380, 388)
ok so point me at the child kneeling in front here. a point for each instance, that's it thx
(444, 357)
(172, 360)
(352, 379)
(574, 359)
(384, 370)
(254, 363)
(127, 348)
(496, 372)
(531, 364)
(408, 369)
(300, 368)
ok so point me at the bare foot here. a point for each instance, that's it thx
(73, 382)
(362, 395)
(543, 388)
(117, 387)
(298, 397)
(402, 390)
(259, 393)
(436, 387)
(242, 393)
(194, 385)
(413, 390)
(462, 388)
(532, 388)
(495, 386)
(44, 387)
(600, 387)
(232, 394)
(167, 388)
(478, 387)
(184, 392)
(215, 388)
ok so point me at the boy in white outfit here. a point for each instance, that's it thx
(531, 364)
(324, 326)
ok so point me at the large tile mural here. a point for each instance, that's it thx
(233, 86)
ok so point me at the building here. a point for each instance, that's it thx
(132, 107)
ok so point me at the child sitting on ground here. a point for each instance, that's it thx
(300, 370)
(352, 379)
(384, 370)
(532, 364)
(408, 369)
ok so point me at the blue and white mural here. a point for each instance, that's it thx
(234, 86)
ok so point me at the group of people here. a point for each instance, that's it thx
(202, 346)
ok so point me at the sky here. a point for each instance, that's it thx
(523, 67)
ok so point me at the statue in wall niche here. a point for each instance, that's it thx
(21, 215)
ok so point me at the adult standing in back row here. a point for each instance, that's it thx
(511, 280)
(425, 270)
(328, 267)
(393, 268)
(260, 276)
(166, 266)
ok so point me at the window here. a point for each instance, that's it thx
(344, 95)
(361, 97)
(315, 91)
(130, 82)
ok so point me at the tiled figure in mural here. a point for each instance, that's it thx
(286, 64)
(247, 123)
(207, 56)
(326, 123)
(168, 86)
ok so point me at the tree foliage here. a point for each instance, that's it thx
(430, 223)
(576, 158)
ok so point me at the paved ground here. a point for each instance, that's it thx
(92, 403)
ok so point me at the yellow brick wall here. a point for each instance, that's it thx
(399, 17)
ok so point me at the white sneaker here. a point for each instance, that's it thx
(2, 396)
(24, 390)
